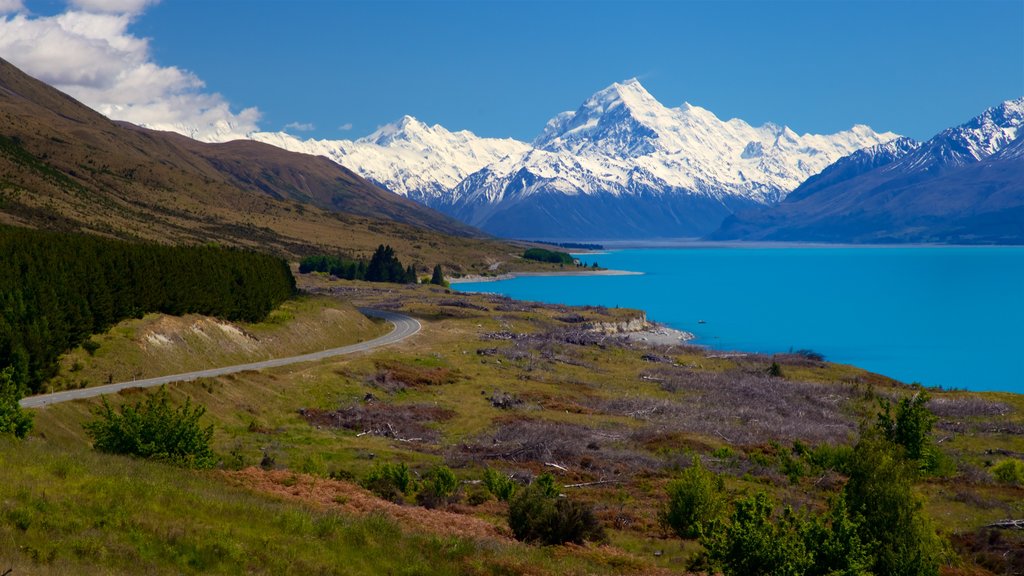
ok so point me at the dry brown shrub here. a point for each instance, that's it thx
(744, 408)
(403, 421)
(352, 499)
(599, 451)
(966, 407)
(396, 376)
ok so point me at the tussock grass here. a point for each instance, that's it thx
(82, 513)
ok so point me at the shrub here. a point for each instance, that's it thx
(438, 487)
(831, 457)
(751, 544)
(755, 542)
(694, 501)
(1009, 472)
(389, 481)
(902, 541)
(91, 346)
(910, 426)
(13, 420)
(154, 429)
(498, 484)
(552, 256)
(536, 516)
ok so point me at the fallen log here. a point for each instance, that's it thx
(1008, 525)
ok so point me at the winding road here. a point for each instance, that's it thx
(405, 327)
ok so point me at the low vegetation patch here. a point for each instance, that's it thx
(552, 256)
(410, 422)
(155, 430)
(394, 376)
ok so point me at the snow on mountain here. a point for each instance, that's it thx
(408, 157)
(970, 142)
(964, 185)
(621, 143)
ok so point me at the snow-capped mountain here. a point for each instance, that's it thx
(622, 165)
(408, 157)
(965, 185)
(638, 168)
(968, 143)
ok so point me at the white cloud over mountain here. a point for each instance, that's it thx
(88, 52)
(8, 6)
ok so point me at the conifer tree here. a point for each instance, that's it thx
(438, 277)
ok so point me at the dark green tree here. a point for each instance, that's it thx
(13, 420)
(900, 538)
(438, 276)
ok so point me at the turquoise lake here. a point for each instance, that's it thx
(941, 316)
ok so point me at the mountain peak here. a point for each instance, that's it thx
(406, 128)
(618, 119)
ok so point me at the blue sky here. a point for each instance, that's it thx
(504, 68)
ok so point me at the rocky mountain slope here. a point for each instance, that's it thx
(622, 165)
(965, 185)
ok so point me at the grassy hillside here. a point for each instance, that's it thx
(158, 344)
(523, 389)
(64, 166)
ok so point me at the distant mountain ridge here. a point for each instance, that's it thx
(621, 166)
(964, 185)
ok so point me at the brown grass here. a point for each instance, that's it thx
(352, 499)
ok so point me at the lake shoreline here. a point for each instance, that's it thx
(768, 301)
(512, 275)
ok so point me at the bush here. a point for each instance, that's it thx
(551, 256)
(153, 429)
(498, 484)
(13, 420)
(536, 516)
(910, 426)
(438, 487)
(1009, 472)
(694, 501)
(752, 545)
(389, 481)
(902, 540)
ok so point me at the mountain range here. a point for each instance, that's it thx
(621, 166)
(965, 185)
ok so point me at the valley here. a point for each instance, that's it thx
(518, 387)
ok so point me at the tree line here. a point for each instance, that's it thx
(56, 289)
(383, 266)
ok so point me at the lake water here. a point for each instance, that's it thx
(941, 316)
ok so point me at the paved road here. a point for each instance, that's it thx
(404, 327)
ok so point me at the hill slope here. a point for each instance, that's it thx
(64, 166)
(965, 185)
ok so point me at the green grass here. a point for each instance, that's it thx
(258, 413)
(158, 344)
(68, 512)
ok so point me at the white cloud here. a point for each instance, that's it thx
(93, 57)
(300, 126)
(8, 6)
(112, 6)
(345, 127)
